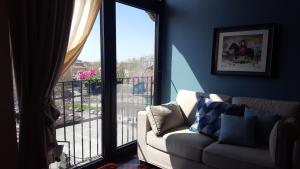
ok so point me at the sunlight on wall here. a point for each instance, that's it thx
(182, 76)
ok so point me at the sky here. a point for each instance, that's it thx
(135, 33)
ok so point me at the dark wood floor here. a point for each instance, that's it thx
(129, 163)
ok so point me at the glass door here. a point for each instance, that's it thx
(135, 51)
(112, 79)
(78, 96)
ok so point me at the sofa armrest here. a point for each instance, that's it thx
(296, 154)
(281, 143)
(143, 126)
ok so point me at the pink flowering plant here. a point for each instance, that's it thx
(89, 75)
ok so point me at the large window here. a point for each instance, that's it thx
(135, 35)
(100, 94)
(97, 118)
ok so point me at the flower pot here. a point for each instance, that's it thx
(95, 88)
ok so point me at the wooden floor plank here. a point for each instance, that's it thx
(128, 163)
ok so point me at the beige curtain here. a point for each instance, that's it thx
(84, 16)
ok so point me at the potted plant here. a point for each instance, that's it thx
(91, 80)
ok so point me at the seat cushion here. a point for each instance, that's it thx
(284, 109)
(187, 100)
(224, 156)
(180, 142)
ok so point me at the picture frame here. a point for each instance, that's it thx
(243, 50)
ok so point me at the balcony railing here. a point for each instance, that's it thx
(79, 127)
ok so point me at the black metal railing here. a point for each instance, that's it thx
(133, 95)
(80, 123)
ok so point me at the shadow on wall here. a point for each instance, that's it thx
(188, 38)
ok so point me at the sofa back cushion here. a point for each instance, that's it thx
(284, 109)
(264, 124)
(237, 130)
(208, 116)
(164, 117)
(187, 100)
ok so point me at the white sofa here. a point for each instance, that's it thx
(181, 149)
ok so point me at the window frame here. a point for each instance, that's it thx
(110, 150)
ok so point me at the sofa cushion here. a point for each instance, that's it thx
(187, 100)
(223, 156)
(264, 125)
(164, 117)
(180, 142)
(237, 130)
(208, 116)
(284, 109)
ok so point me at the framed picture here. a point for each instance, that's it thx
(243, 50)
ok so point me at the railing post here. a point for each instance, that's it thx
(97, 116)
(122, 109)
(90, 147)
(73, 107)
(64, 109)
(151, 93)
(81, 110)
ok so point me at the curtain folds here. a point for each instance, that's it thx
(39, 33)
(85, 14)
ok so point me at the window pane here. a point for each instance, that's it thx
(135, 31)
(78, 97)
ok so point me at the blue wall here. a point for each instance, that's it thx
(188, 38)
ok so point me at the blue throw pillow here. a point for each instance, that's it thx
(265, 123)
(237, 130)
(208, 116)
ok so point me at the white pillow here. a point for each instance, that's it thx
(164, 117)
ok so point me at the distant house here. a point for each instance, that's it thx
(147, 61)
(71, 74)
(78, 67)
(149, 71)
